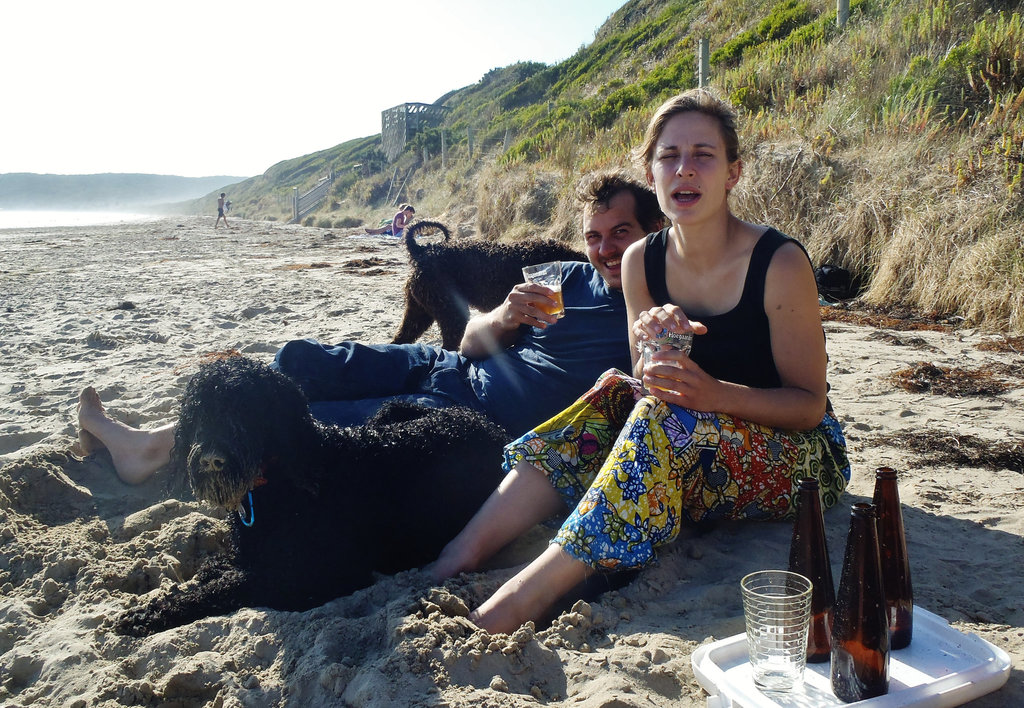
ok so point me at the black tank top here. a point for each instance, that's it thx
(737, 346)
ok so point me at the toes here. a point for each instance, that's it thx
(89, 399)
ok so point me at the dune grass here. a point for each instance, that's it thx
(893, 147)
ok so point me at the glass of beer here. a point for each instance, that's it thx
(550, 276)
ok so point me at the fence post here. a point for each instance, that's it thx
(842, 12)
(469, 138)
(704, 64)
(295, 203)
(444, 152)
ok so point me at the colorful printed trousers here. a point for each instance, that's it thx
(633, 468)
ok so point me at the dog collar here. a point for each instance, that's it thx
(252, 513)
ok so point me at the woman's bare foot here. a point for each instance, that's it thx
(531, 592)
(136, 454)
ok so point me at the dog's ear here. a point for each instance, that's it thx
(184, 431)
(289, 430)
(304, 438)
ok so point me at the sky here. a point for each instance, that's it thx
(199, 88)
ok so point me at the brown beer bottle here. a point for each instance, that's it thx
(892, 544)
(860, 628)
(808, 556)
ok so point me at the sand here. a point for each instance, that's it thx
(132, 309)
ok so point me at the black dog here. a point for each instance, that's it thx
(319, 508)
(449, 277)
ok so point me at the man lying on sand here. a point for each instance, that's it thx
(516, 364)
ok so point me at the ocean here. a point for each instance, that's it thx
(29, 219)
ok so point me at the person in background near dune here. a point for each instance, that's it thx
(517, 364)
(221, 211)
(398, 222)
(725, 431)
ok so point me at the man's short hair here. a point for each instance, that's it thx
(597, 189)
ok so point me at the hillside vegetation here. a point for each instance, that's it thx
(893, 147)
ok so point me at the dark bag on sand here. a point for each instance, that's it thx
(834, 282)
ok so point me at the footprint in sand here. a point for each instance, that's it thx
(17, 439)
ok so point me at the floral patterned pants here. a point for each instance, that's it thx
(633, 468)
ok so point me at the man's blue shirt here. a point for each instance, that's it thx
(547, 369)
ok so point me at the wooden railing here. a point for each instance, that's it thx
(303, 204)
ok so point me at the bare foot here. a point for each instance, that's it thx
(531, 592)
(89, 400)
(452, 561)
(136, 454)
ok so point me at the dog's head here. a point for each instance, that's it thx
(239, 419)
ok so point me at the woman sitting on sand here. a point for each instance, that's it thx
(398, 222)
(725, 432)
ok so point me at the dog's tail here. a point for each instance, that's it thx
(423, 228)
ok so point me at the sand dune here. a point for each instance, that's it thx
(133, 309)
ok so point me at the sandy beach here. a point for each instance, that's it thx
(133, 309)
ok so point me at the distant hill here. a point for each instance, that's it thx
(111, 191)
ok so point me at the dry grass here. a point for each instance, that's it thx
(516, 201)
(958, 450)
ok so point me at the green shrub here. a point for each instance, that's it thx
(782, 20)
(751, 98)
(970, 76)
(730, 52)
(672, 78)
(631, 96)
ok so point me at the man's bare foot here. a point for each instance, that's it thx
(454, 559)
(89, 400)
(136, 454)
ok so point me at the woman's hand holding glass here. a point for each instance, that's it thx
(664, 336)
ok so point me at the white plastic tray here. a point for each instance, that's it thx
(941, 668)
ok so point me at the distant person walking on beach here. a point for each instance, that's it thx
(221, 211)
(398, 223)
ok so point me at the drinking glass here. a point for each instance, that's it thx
(777, 612)
(550, 276)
